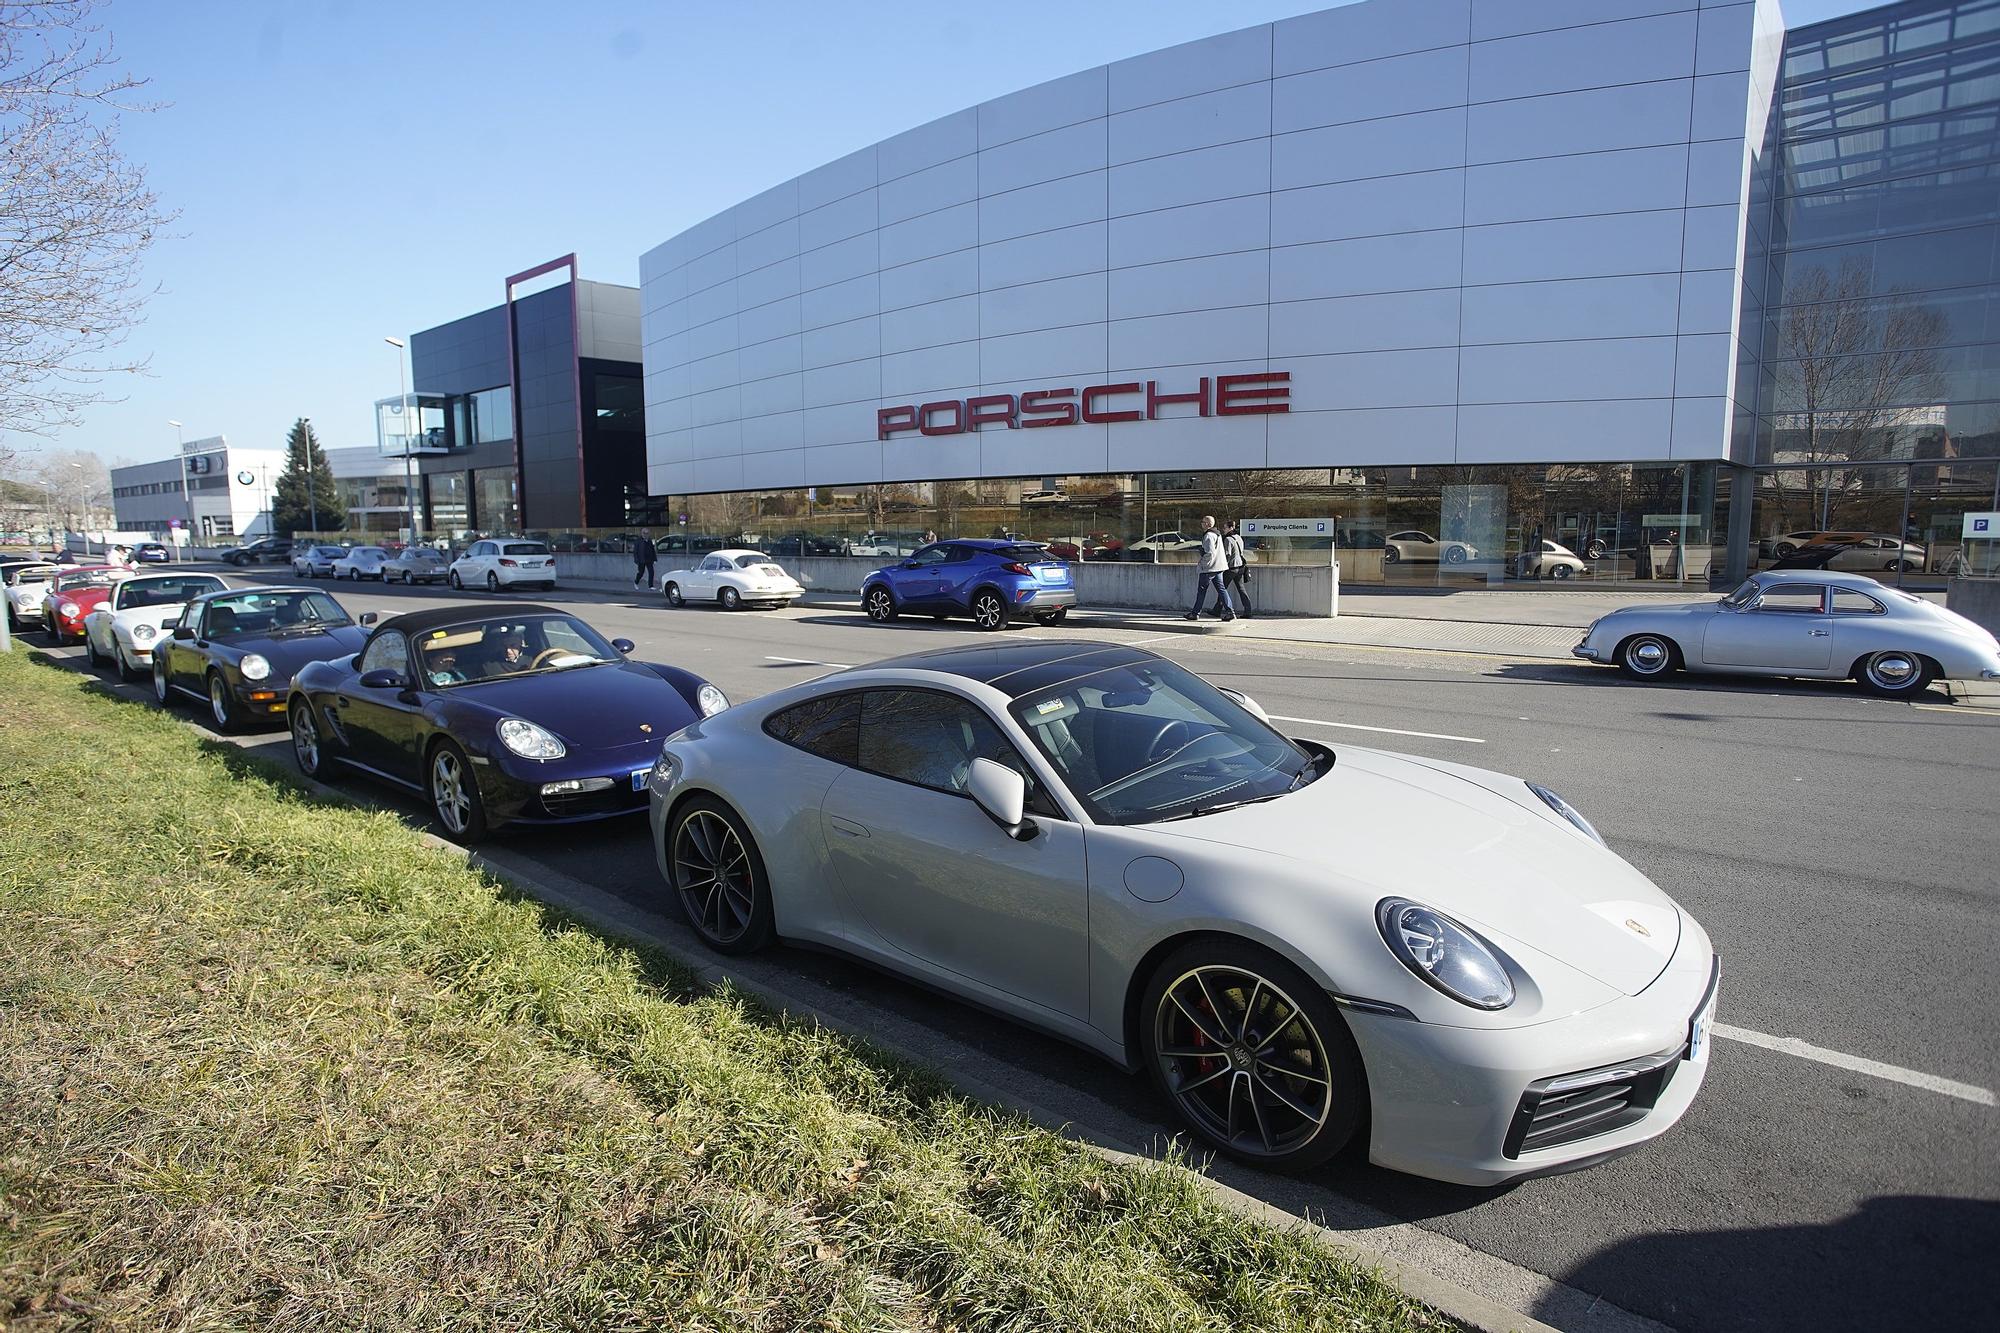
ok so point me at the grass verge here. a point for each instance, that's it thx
(264, 1060)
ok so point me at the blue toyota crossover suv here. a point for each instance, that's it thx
(992, 581)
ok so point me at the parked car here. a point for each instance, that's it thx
(991, 581)
(497, 563)
(26, 582)
(1299, 943)
(151, 553)
(885, 543)
(732, 580)
(1552, 561)
(499, 714)
(1818, 625)
(238, 650)
(121, 631)
(361, 562)
(416, 564)
(807, 543)
(1414, 546)
(1867, 551)
(1167, 541)
(1783, 544)
(316, 561)
(72, 594)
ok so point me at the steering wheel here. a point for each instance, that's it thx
(547, 655)
(1172, 735)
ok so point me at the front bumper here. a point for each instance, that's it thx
(1450, 1103)
(261, 698)
(512, 788)
(1586, 652)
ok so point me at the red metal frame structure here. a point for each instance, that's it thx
(576, 385)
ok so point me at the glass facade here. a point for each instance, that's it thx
(1878, 376)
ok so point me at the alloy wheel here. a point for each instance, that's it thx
(492, 581)
(305, 739)
(881, 606)
(713, 873)
(448, 794)
(1242, 1060)
(988, 611)
(218, 702)
(160, 687)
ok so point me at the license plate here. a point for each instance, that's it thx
(1052, 574)
(1698, 1030)
(639, 779)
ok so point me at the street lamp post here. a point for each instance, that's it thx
(187, 497)
(409, 438)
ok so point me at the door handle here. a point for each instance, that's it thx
(1818, 633)
(847, 826)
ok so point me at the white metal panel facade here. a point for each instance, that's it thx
(1471, 231)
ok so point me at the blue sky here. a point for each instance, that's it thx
(355, 168)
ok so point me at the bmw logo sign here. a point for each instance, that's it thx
(245, 477)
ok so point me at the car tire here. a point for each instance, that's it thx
(673, 594)
(454, 793)
(1560, 571)
(1454, 555)
(126, 671)
(1783, 549)
(731, 599)
(1895, 674)
(453, 580)
(492, 583)
(1390, 555)
(1283, 1108)
(879, 603)
(221, 713)
(308, 746)
(1061, 615)
(90, 652)
(163, 693)
(1047, 617)
(1649, 657)
(989, 610)
(718, 877)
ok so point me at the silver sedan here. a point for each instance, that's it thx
(1301, 945)
(1817, 625)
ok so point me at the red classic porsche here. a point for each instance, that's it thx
(74, 594)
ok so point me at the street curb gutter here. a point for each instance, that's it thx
(603, 911)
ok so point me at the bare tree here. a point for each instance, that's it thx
(75, 216)
(1856, 368)
(76, 487)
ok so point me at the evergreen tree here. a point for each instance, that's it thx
(307, 500)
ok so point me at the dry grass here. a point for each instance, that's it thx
(264, 1061)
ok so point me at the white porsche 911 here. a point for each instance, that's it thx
(121, 631)
(1301, 944)
(732, 580)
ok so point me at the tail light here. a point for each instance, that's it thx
(509, 564)
(1016, 567)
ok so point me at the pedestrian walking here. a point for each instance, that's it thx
(644, 555)
(1214, 565)
(1237, 581)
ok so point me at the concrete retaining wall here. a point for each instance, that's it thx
(1978, 600)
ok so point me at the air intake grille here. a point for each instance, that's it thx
(1560, 1110)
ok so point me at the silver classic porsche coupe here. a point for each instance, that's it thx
(1813, 624)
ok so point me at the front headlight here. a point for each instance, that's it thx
(1444, 953)
(711, 700)
(144, 633)
(66, 609)
(1569, 812)
(254, 667)
(528, 740)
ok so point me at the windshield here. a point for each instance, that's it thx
(1746, 593)
(524, 548)
(502, 647)
(259, 614)
(1152, 741)
(331, 552)
(95, 578)
(166, 592)
(41, 574)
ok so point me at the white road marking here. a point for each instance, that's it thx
(810, 661)
(1875, 1068)
(1391, 731)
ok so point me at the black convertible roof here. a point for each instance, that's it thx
(1023, 668)
(416, 622)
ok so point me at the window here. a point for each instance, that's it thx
(827, 727)
(1793, 600)
(1848, 602)
(931, 555)
(493, 415)
(929, 739)
(387, 651)
(524, 548)
(712, 563)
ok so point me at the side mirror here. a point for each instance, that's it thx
(1249, 704)
(369, 617)
(183, 632)
(383, 679)
(909, 564)
(1003, 795)
(623, 645)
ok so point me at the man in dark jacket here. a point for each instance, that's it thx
(644, 553)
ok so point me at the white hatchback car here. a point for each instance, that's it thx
(494, 563)
(732, 579)
(361, 562)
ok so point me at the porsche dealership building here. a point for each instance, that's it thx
(1650, 279)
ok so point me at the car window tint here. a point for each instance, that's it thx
(826, 726)
(525, 548)
(931, 555)
(1848, 602)
(387, 651)
(929, 738)
(1791, 600)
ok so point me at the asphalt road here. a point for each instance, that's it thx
(1843, 852)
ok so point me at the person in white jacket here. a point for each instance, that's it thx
(1213, 570)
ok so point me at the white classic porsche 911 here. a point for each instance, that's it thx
(1301, 944)
(121, 631)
